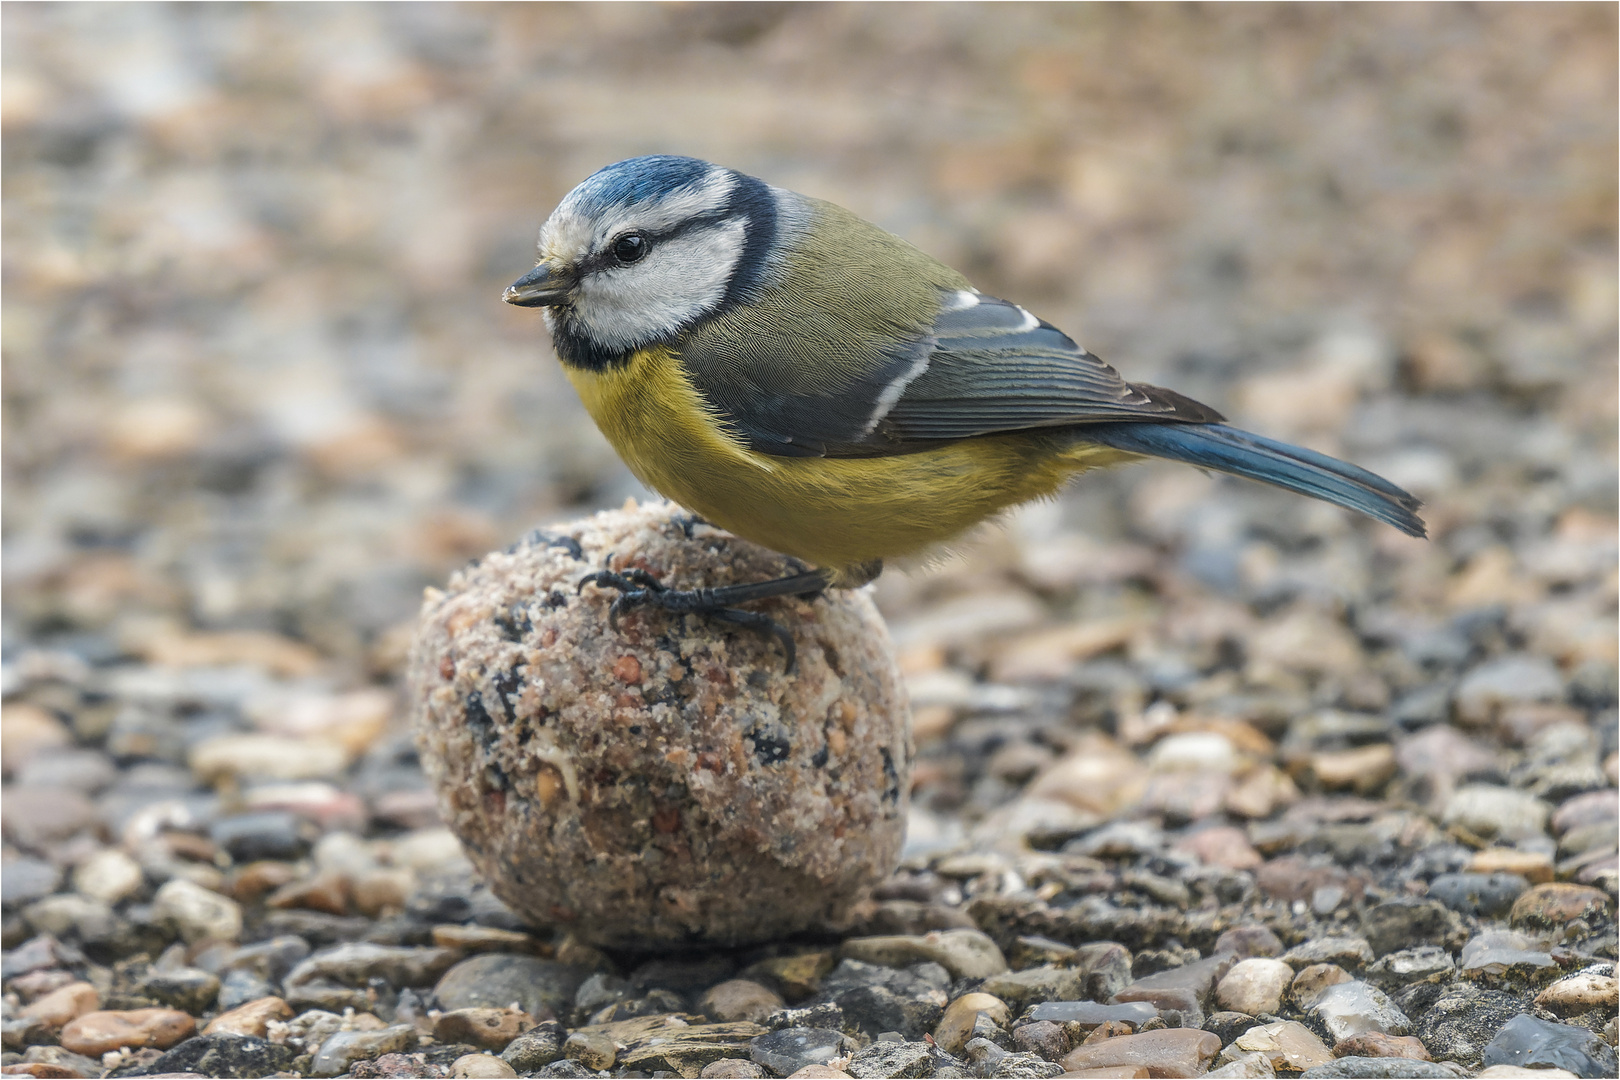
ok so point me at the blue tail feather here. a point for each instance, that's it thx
(1242, 453)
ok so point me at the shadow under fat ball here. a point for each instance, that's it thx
(667, 780)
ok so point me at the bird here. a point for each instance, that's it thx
(806, 380)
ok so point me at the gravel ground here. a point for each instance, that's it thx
(1208, 778)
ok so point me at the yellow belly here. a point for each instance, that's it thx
(830, 512)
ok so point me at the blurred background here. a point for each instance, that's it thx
(260, 389)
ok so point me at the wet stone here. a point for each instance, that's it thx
(1427, 963)
(1488, 895)
(1462, 1020)
(496, 980)
(1354, 1008)
(186, 989)
(897, 1059)
(226, 1055)
(784, 1052)
(1169, 1052)
(1088, 1014)
(1383, 1068)
(1528, 1042)
(339, 1051)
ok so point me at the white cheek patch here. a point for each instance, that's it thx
(680, 278)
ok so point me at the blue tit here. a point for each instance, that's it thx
(815, 384)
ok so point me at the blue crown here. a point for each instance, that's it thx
(640, 179)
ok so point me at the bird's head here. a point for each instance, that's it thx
(643, 248)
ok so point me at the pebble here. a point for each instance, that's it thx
(732, 1069)
(1254, 986)
(740, 999)
(1462, 1019)
(200, 914)
(95, 1033)
(536, 1048)
(1581, 992)
(186, 989)
(252, 1018)
(24, 880)
(1535, 867)
(1552, 906)
(1168, 1052)
(955, 1027)
(1286, 1044)
(1350, 953)
(1505, 680)
(1490, 811)
(1406, 967)
(896, 1059)
(966, 954)
(1488, 895)
(1379, 1068)
(480, 1065)
(784, 1052)
(62, 1005)
(357, 963)
(1377, 1044)
(496, 980)
(1531, 1043)
(225, 1054)
(492, 1029)
(109, 876)
(1406, 921)
(592, 1049)
(1354, 1008)
(1088, 1014)
(339, 1051)
(1045, 983)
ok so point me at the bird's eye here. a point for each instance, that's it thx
(630, 247)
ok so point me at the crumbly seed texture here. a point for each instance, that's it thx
(668, 780)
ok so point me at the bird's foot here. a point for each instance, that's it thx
(637, 588)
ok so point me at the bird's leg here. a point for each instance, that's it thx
(637, 588)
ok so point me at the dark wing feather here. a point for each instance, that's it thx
(983, 366)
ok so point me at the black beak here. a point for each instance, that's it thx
(544, 286)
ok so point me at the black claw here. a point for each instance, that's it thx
(766, 624)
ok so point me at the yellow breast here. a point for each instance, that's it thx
(831, 512)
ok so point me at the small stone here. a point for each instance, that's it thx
(1377, 1044)
(225, 1055)
(1376, 1068)
(1505, 959)
(956, 1026)
(1424, 964)
(785, 1052)
(267, 757)
(1254, 986)
(1488, 895)
(1312, 982)
(479, 939)
(1247, 942)
(328, 891)
(1042, 1037)
(1462, 1019)
(966, 954)
(27, 729)
(36, 984)
(799, 976)
(1528, 1042)
(1535, 867)
(1487, 810)
(1592, 808)
(25, 880)
(740, 999)
(1168, 1052)
(1551, 906)
(1229, 1025)
(1222, 845)
(1351, 1008)
(1505, 680)
(1350, 953)
(731, 1069)
(95, 1033)
(492, 1029)
(1580, 993)
(1020, 989)
(109, 876)
(200, 914)
(480, 1065)
(1244, 1066)
(1406, 921)
(496, 980)
(1088, 1014)
(535, 1048)
(341, 1050)
(1106, 966)
(1365, 769)
(187, 989)
(63, 1005)
(592, 1049)
(897, 1059)
(251, 1019)
(1288, 1045)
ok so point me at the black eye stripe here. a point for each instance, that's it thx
(606, 259)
